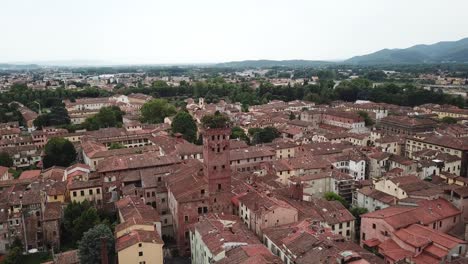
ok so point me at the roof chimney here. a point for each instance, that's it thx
(104, 257)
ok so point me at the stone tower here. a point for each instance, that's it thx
(216, 160)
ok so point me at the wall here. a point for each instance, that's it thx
(152, 253)
(79, 196)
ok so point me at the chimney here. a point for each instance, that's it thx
(104, 257)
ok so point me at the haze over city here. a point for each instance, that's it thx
(207, 31)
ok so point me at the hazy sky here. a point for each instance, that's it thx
(178, 31)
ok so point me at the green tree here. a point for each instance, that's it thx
(331, 196)
(217, 120)
(116, 145)
(264, 135)
(252, 131)
(367, 120)
(16, 173)
(376, 76)
(449, 120)
(156, 110)
(292, 116)
(84, 222)
(184, 123)
(89, 247)
(106, 117)
(58, 115)
(357, 212)
(15, 253)
(59, 152)
(239, 133)
(77, 219)
(5, 160)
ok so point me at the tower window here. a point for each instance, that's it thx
(214, 167)
(219, 186)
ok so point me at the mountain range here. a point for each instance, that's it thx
(441, 52)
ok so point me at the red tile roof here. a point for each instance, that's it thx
(135, 237)
(217, 231)
(30, 174)
(393, 251)
(250, 254)
(131, 207)
(427, 211)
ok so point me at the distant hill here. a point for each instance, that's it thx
(272, 63)
(441, 52)
(8, 66)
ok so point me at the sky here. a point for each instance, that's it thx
(207, 31)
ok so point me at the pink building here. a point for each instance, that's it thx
(260, 211)
(421, 244)
(380, 228)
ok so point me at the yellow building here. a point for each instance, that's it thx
(284, 149)
(57, 192)
(140, 247)
(86, 190)
(138, 237)
(454, 146)
(451, 112)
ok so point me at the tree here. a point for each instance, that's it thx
(238, 133)
(376, 76)
(449, 120)
(156, 110)
(59, 152)
(89, 247)
(79, 218)
(15, 253)
(367, 120)
(84, 222)
(184, 123)
(265, 135)
(106, 117)
(252, 131)
(116, 145)
(331, 196)
(292, 116)
(58, 115)
(5, 160)
(217, 120)
(357, 212)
